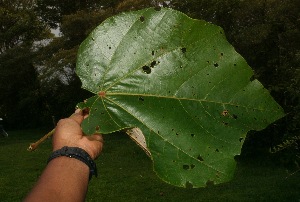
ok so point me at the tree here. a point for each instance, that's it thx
(20, 30)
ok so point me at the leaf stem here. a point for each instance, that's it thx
(33, 146)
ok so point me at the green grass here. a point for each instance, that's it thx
(125, 174)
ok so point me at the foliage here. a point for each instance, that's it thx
(182, 84)
(20, 29)
(289, 152)
(53, 11)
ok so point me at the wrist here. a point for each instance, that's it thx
(76, 153)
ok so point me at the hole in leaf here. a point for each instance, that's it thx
(225, 124)
(188, 185)
(177, 134)
(222, 54)
(192, 135)
(234, 65)
(146, 69)
(141, 99)
(157, 8)
(210, 183)
(199, 157)
(109, 47)
(234, 116)
(153, 64)
(192, 166)
(241, 139)
(216, 65)
(183, 50)
(142, 18)
(86, 111)
(186, 167)
(152, 53)
(97, 128)
(217, 150)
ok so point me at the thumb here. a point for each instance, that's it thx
(77, 116)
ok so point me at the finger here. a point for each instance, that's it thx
(77, 116)
(98, 137)
(84, 112)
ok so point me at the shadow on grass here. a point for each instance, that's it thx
(125, 174)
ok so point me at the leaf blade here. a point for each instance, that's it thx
(182, 84)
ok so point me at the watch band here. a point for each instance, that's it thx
(79, 154)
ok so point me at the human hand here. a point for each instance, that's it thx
(68, 133)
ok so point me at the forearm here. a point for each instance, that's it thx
(64, 179)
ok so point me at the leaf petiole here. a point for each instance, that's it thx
(33, 146)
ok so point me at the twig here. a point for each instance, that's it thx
(33, 146)
(292, 174)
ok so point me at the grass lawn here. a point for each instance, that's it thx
(125, 174)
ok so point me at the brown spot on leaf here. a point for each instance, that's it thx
(225, 112)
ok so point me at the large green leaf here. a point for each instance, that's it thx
(182, 84)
